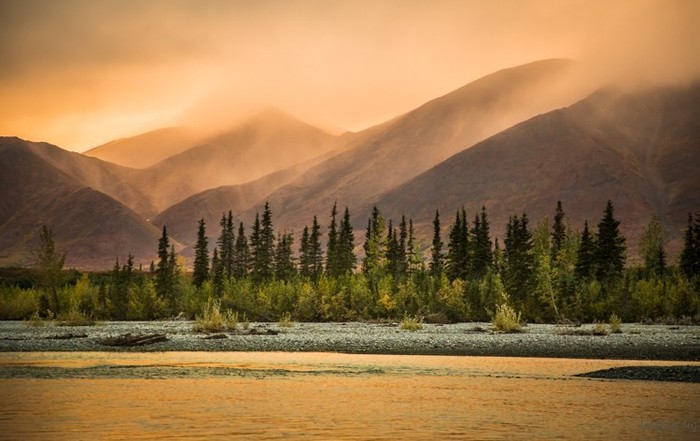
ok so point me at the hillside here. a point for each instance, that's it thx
(146, 149)
(638, 148)
(376, 160)
(94, 228)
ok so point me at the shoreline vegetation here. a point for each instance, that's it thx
(544, 275)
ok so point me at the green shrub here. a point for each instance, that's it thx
(506, 319)
(213, 319)
(74, 317)
(412, 324)
(600, 329)
(286, 320)
(615, 324)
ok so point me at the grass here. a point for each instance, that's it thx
(505, 319)
(213, 319)
(615, 324)
(75, 317)
(412, 324)
(286, 321)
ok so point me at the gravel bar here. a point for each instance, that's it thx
(637, 342)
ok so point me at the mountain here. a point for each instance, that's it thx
(377, 159)
(271, 141)
(91, 226)
(639, 148)
(146, 149)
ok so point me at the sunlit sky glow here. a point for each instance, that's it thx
(78, 73)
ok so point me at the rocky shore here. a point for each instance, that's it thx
(636, 342)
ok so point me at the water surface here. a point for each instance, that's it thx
(332, 396)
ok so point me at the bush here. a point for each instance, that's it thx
(412, 324)
(75, 317)
(615, 324)
(213, 320)
(286, 320)
(600, 329)
(506, 319)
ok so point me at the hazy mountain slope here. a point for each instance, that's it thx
(269, 142)
(640, 149)
(382, 157)
(92, 227)
(146, 149)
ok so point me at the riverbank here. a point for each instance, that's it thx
(636, 342)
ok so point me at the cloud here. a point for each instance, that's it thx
(133, 66)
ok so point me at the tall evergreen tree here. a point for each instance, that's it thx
(375, 245)
(558, 232)
(284, 262)
(217, 273)
(437, 258)
(652, 246)
(610, 250)
(690, 255)
(585, 255)
(241, 253)
(225, 244)
(165, 271)
(201, 256)
(263, 249)
(304, 258)
(393, 252)
(482, 254)
(413, 260)
(518, 259)
(457, 259)
(402, 253)
(315, 250)
(346, 245)
(332, 265)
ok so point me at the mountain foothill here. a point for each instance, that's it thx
(514, 141)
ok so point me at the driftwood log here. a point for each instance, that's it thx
(134, 340)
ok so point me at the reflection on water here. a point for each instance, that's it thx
(331, 396)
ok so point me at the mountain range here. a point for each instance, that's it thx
(511, 141)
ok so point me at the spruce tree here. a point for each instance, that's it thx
(518, 259)
(457, 259)
(346, 245)
(241, 251)
(652, 247)
(332, 266)
(375, 245)
(50, 263)
(609, 256)
(437, 259)
(218, 273)
(413, 260)
(201, 256)
(225, 244)
(585, 255)
(315, 250)
(165, 273)
(284, 262)
(482, 255)
(264, 248)
(393, 252)
(690, 255)
(558, 232)
(402, 254)
(304, 258)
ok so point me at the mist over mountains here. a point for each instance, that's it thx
(516, 140)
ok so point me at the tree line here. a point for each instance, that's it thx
(548, 272)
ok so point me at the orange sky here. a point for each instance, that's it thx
(78, 73)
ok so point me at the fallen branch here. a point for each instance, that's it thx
(134, 340)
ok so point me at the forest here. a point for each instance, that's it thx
(547, 273)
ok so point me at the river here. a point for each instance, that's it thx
(239, 395)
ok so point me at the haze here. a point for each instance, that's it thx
(78, 73)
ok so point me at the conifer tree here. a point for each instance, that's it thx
(284, 263)
(263, 248)
(413, 261)
(690, 255)
(375, 252)
(609, 255)
(585, 255)
(518, 258)
(304, 257)
(437, 259)
(457, 259)
(315, 250)
(225, 244)
(482, 255)
(346, 245)
(558, 232)
(332, 266)
(201, 256)
(403, 238)
(393, 252)
(218, 273)
(652, 246)
(165, 272)
(241, 254)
